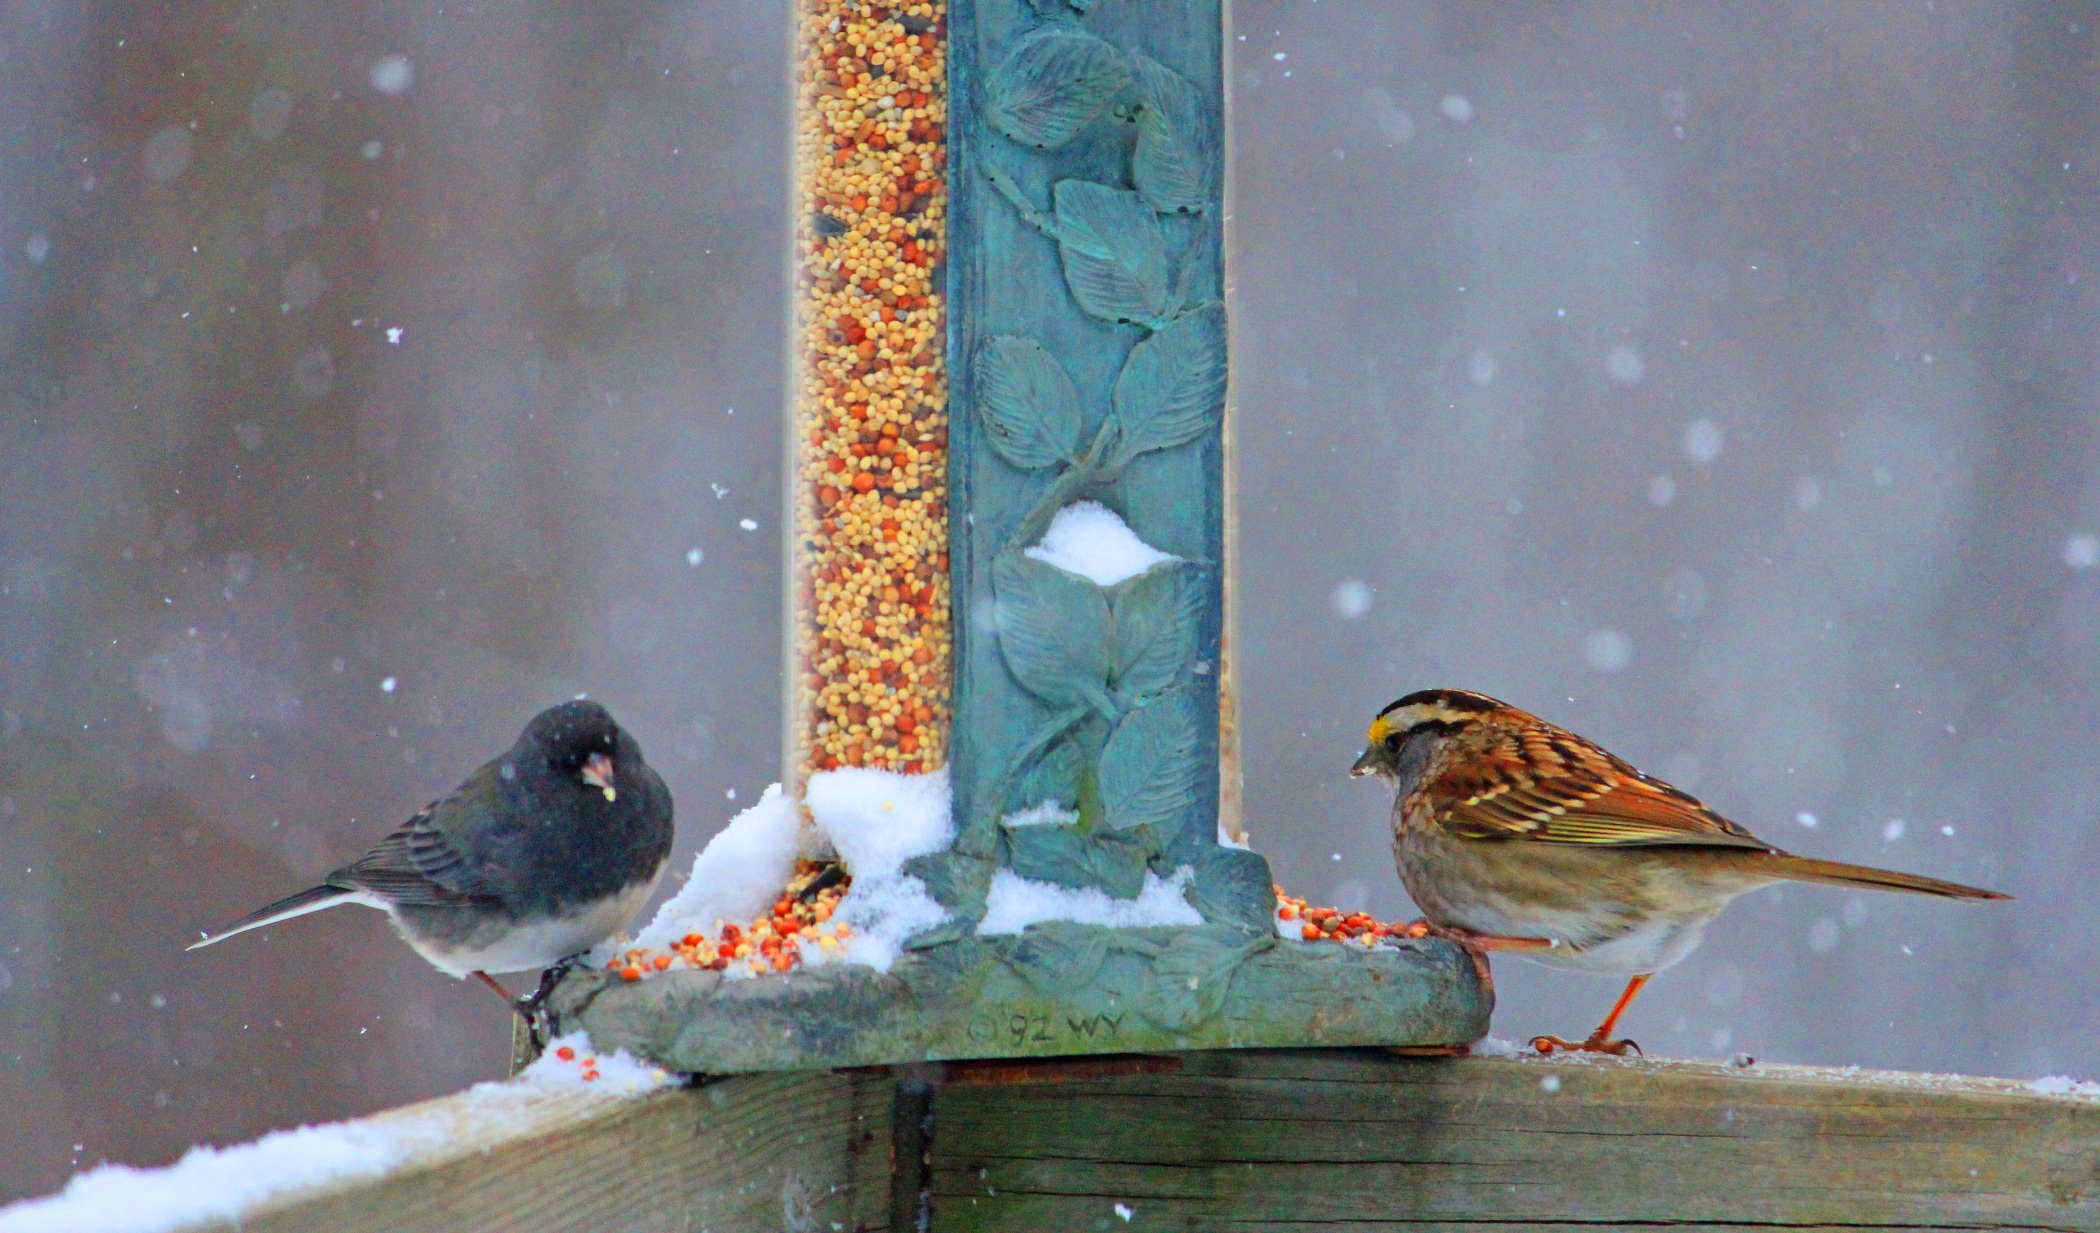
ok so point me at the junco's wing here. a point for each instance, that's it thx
(1542, 784)
(421, 864)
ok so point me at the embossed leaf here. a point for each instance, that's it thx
(1059, 957)
(1053, 629)
(1175, 163)
(1053, 83)
(1054, 777)
(1190, 979)
(1235, 887)
(1152, 763)
(1028, 402)
(959, 882)
(1157, 617)
(1172, 388)
(1069, 856)
(1115, 254)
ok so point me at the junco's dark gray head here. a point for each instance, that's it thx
(576, 738)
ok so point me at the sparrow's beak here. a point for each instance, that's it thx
(598, 772)
(1367, 764)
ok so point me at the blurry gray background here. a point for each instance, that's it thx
(1716, 380)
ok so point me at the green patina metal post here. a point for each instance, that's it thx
(1089, 341)
(1087, 362)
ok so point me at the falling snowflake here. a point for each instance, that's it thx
(393, 75)
(1607, 650)
(1624, 365)
(1702, 441)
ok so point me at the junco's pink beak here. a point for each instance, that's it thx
(598, 772)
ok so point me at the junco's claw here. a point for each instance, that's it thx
(532, 1007)
(830, 876)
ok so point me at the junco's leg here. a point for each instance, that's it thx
(501, 992)
(528, 1007)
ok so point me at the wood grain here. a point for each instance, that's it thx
(1337, 1139)
(1347, 1139)
(801, 1152)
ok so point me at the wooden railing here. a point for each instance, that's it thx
(1244, 1140)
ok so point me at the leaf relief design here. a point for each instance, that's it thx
(1190, 978)
(1115, 255)
(1053, 84)
(1156, 619)
(1152, 764)
(1122, 735)
(1174, 165)
(1054, 631)
(1172, 388)
(1069, 856)
(1235, 887)
(1057, 957)
(1028, 402)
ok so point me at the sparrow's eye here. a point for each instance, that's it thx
(1394, 740)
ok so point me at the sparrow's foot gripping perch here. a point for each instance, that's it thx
(1599, 1041)
(1594, 1044)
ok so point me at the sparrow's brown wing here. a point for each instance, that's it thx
(1541, 783)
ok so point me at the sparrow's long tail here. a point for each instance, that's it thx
(1835, 873)
(300, 904)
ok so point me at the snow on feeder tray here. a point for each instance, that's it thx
(1008, 705)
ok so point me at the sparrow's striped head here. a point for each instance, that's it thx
(1438, 712)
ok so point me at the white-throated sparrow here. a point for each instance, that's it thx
(1512, 834)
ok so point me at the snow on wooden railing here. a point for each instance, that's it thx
(1241, 1139)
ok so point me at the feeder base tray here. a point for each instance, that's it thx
(1055, 989)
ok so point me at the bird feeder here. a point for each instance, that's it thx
(1009, 562)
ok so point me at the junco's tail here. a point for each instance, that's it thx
(285, 909)
(1836, 873)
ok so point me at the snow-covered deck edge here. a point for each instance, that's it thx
(211, 1185)
(529, 1157)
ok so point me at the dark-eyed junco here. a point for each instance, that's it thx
(539, 856)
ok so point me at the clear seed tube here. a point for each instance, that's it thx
(869, 613)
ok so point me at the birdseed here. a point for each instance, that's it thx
(1328, 925)
(871, 632)
(775, 942)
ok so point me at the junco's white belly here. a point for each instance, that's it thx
(541, 944)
